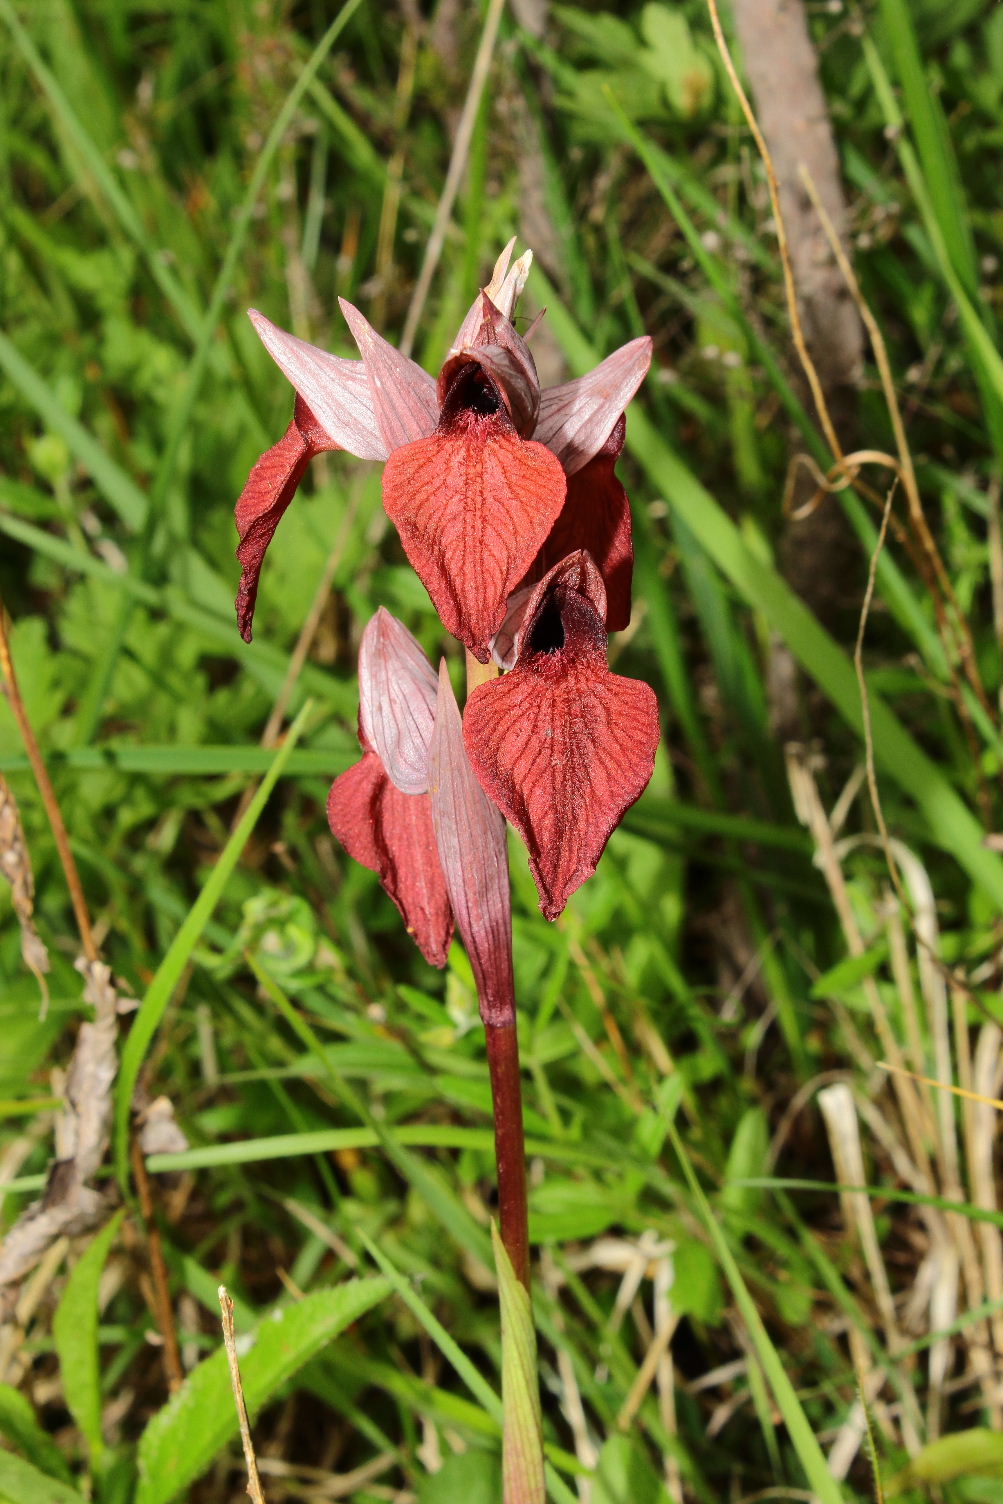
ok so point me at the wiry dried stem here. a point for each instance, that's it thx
(254, 1489)
(48, 794)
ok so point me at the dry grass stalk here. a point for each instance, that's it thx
(15, 866)
(254, 1488)
(47, 793)
(454, 175)
(917, 517)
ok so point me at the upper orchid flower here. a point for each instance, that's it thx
(488, 480)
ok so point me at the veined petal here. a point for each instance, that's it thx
(562, 745)
(596, 519)
(403, 394)
(335, 390)
(397, 697)
(470, 834)
(270, 488)
(577, 417)
(500, 278)
(472, 504)
(391, 834)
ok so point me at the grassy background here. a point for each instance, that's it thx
(743, 946)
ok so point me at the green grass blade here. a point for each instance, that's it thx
(810, 1454)
(20, 1483)
(107, 184)
(196, 1423)
(933, 141)
(75, 1330)
(950, 822)
(168, 974)
(119, 489)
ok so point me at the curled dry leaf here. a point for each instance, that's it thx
(70, 1203)
(15, 866)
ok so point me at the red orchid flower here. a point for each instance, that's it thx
(488, 479)
(379, 809)
(562, 745)
(413, 811)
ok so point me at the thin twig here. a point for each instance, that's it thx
(48, 794)
(797, 331)
(163, 1311)
(454, 175)
(865, 704)
(907, 470)
(254, 1488)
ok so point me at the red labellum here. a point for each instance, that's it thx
(562, 745)
(472, 504)
(391, 834)
(270, 488)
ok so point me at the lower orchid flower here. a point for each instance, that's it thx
(562, 745)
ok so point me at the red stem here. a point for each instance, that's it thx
(510, 1146)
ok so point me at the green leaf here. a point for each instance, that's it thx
(967, 1454)
(685, 73)
(196, 1423)
(19, 1425)
(522, 1424)
(20, 1483)
(848, 973)
(161, 989)
(746, 1159)
(624, 1475)
(75, 1329)
(470, 1476)
(696, 1287)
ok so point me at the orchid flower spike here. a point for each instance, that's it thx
(488, 479)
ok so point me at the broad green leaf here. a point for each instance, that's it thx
(20, 1427)
(696, 1286)
(522, 1422)
(624, 1475)
(470, 1476)
(196, 1423)
(75, 1329)
(746, 1159)
(20, 1483)
(847, 973)
(967, 1454)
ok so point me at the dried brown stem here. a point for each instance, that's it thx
(163, 1311)
(454, 174)
(48, 794)
(254, 1488)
